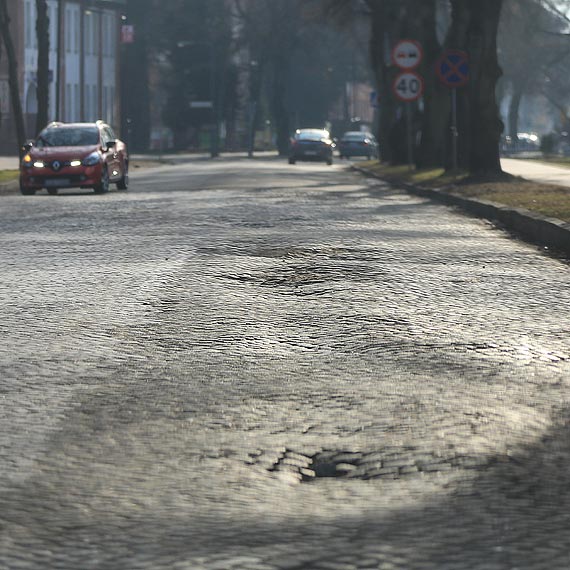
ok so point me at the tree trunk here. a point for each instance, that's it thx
(13, 76)
(377, 59)
(486, 130)
(42, 31)
(135, 111)
(278, 107)
(436, 96)
(386, 29)
(474, 29)
(514, 107)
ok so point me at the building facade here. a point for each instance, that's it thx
(84, 63)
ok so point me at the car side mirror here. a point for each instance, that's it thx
(111, 144)
(27, 146)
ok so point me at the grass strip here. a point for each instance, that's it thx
(545, 199)
(8, 175)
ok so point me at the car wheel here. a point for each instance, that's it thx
(123, 183)
(52, 191)
(329, 161)
(103, 186)
(292, 161)
(26, 191)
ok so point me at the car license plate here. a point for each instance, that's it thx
(311, 152)
(57, 182)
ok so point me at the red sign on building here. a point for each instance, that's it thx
(127, 34)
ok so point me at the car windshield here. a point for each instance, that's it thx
(312, 135)
(355, 137)
(76, 136)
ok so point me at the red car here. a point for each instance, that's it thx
(74, 155)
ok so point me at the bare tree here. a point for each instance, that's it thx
(531, 37)
(13, 75)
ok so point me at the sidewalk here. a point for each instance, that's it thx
(9, 163)
(537, 171)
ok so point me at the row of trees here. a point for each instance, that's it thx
(259, 61)
(473, 26)
(532, 51)
(288, 46)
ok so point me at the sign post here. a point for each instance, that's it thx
(408, 85)
(452, 69)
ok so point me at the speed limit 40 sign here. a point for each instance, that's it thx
(408, 86)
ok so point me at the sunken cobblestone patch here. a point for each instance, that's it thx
(388, 463)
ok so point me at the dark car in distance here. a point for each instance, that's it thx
(357, 143)
(311, 144)
(74, 155)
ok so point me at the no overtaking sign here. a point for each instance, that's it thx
(407, 54)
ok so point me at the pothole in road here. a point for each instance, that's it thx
(388, 463)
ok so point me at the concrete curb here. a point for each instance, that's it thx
(532, 227)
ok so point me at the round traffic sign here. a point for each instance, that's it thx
(408, 86)
(407, 54)
(452, 68)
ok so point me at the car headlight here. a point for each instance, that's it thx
(75, 163)
(39, 164)
(93, 159)
(27, 161)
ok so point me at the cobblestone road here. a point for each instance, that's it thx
(246, 365)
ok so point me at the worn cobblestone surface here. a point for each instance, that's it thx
(245, 365)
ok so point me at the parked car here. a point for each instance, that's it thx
(357, 143)
(74, 155)
(311, 144)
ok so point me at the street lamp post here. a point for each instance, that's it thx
(214, 152)
(252, 108)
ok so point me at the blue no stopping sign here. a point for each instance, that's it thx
(452, 68)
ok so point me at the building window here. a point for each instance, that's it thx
(27, 40)
(68, 103)
(77, 30)
(68, 29)
(109, 34)
(33, 25)
(29, 24)
(111, 115)
(72, 28)
(77, 101)
(88, 33)
(52, 27)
